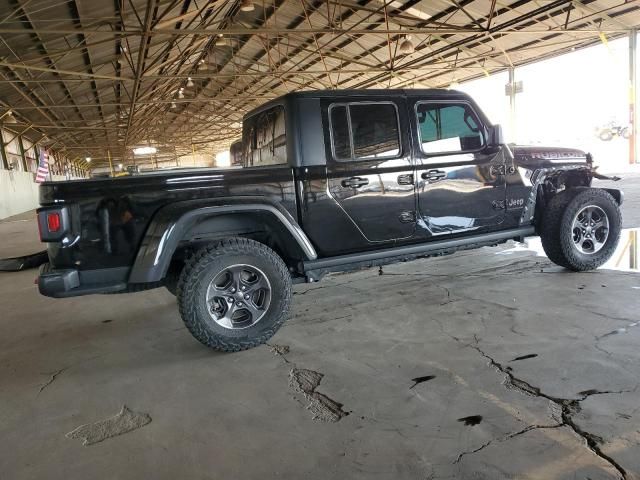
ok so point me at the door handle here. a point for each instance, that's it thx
(405, 179)
(434, 175)
(354, 182)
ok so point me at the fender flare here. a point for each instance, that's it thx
(169, 225)
(537, 179)
(541, 175)
(616, 193)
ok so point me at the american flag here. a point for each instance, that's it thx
(43, 167)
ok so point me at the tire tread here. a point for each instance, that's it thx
(187, 285)
(555, 219)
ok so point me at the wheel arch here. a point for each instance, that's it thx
(196, 221)
(548, 183)
(560, 181)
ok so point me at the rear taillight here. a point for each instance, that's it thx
(53, 222)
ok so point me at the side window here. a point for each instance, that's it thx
(236, 153)
(340, 132)
(364, 131)
(448, 128)
(264, 140)
(375, 130)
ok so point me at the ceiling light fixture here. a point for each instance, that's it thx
(9, 118)
(407, 45)
(173, 105)
(144, 150)
(247, 6)
(88, 159)
(180, 94)
(222, 42)
(190, 83)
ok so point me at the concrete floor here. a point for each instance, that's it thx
(522, 370)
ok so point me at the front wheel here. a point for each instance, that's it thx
(234, 295)
(580, 228)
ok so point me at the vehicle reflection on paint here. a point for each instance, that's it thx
(385, 183)
(440, 198)
(625, 258)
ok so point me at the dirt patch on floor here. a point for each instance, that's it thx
(123, 422)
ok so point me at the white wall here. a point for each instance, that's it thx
(18, 192)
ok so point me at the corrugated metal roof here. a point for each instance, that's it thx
(95, 75)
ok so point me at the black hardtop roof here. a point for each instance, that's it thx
(407, 92)
(435, 92)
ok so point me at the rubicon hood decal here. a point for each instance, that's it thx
(548, 153)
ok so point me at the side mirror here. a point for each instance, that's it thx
(496, 138)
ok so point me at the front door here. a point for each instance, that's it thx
(461, 181)
(369, 169)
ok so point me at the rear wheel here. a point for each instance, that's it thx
(581, 228)
(234, 295)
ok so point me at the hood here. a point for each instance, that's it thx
(539, 155)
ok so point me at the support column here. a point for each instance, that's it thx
(3, 153)
(633, 84)
(512, 103)
(633, 249)
(110, 163)
(22, 154)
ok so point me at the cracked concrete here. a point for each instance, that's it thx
(471, 335)
(568, 408)
(322, 408)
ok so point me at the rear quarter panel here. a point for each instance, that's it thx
(115, 213)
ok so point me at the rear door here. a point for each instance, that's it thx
(461, 182)
(369, 168)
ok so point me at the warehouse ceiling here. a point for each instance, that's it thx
(91, 76)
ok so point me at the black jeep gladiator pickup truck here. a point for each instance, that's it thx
(329, 181)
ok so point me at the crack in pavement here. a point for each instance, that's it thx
(449, 299)
(54, 375)
(617, 331)
(505, 438)
(609, 316)
(624, 329)
(568, 407)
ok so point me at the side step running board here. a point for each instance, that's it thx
(373, 256)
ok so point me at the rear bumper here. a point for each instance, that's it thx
(72, 283)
